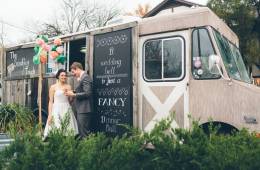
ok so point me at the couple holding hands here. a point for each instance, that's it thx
(76, 104)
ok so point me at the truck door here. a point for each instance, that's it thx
(163, 79)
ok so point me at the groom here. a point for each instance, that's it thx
(82, 103)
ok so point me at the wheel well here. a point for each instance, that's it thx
(221, 127)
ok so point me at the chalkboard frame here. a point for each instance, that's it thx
(30, 60)
(130, 123)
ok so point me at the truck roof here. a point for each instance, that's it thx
(178, 20)
(185, 19)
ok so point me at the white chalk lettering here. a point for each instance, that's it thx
(111, 128)
(108, 120)
(110, 81)
(111, 51)
(110, 70)
(13, 56)
(118, 102)
(111, 62)
(22, 63)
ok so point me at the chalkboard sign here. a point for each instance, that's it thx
(19, 63)
(113, 81)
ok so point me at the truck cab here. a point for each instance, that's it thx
(190, 65)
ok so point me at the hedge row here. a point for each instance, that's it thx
(163, 148)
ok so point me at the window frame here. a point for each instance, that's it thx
(230, 43)
(192, 52)
(183, 74)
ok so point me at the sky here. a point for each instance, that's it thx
(18, 16)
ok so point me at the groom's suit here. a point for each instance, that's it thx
(83, 104)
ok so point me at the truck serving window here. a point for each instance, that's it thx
(164, 59)
(202, 48)
(232, 59)
(75, 53)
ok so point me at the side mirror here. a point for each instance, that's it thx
(214, 67)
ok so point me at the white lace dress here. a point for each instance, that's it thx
(60, 109)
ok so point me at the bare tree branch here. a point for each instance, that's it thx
(80, 15)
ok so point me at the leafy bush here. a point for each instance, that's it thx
(28, 151)
(93, 151)
(61, 152)
(24, 153)
(15, 119)
(163, 148)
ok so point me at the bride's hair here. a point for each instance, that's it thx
(60, 71)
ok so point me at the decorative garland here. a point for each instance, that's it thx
(57, 52)
(42, 48)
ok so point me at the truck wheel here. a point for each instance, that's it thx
(220, 127)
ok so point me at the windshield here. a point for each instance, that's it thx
(232, 59)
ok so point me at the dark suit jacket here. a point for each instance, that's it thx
(83, 99)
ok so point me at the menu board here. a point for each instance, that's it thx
(19, 63)
(113, 81)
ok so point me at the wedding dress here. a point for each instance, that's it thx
(61, 111)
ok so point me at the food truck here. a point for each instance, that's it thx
(186, 62)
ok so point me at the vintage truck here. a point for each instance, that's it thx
(187, 62)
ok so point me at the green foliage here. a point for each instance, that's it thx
(61, 152)
(162, 148)
(24, 153)
(124, 153)
(15, 119)
(92, 151)
(243, 17)
(253, 48)
(28, 151)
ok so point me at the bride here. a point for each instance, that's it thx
(59, 107)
